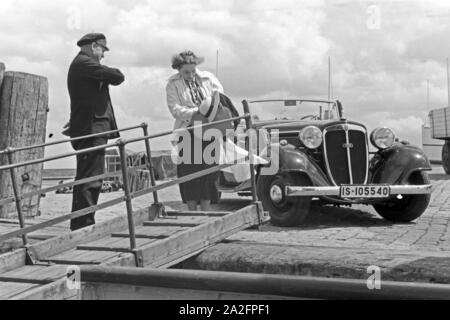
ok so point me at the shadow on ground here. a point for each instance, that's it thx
(439, 176)
(320, 217)
(325, 217)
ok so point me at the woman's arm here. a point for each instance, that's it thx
(215, 84)
(178, 111)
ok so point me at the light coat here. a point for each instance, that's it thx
(179, 98)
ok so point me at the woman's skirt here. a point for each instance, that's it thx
(203, 188)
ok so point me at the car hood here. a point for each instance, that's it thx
(289, 125)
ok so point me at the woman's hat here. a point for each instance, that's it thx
(212, 111)
(209, 106)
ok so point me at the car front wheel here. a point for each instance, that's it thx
(406, 208)
(284, 212)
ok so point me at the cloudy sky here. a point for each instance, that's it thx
(382, 52)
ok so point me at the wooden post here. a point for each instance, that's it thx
(2, 74)
(23, 121)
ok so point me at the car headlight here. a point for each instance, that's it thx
(311, 137)
(382, 138)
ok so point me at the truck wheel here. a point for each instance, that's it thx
(446, 157)
(284, 212)
(409, 207)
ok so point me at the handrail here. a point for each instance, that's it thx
(187, 178)
(86, 211)
(52, 158)
(120, 144)
(159, 135)
(296, 100)
(52, 222)
(110, 145)
(66, 185)
(101, 134)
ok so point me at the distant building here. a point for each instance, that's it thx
(162, 162)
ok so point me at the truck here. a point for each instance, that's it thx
(440, 130)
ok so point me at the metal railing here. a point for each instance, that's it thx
(128, 195)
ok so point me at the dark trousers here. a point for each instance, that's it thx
(86, 195)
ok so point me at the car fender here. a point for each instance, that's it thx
(398, 163)
(291, 159)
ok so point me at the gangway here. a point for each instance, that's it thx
(151, 237)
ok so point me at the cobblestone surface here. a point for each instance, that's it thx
(361, 227)
(332, 242)
(356, 227)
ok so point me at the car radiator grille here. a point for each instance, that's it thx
(341, 168)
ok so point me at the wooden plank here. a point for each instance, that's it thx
(188, 219)
(23, 271)
(9, 289)
(35, 274)
(57, 290)
(100, 230)
(196, 214)
(138, 236)
(152, 232)
(170, 224)
(192, 240)
(5, 228)
(80, 257)
(106, 241)
(12, 260)
(118, 245)
(122, 260)
(11, 245)
(59, 219)
(41, 237)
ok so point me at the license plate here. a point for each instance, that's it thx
(365, 191)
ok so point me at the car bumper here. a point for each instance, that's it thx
(336, 191)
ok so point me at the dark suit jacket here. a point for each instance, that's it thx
(88, 83)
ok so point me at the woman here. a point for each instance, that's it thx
(186, 91)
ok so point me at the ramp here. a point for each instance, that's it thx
(148, 238)
(160, 243)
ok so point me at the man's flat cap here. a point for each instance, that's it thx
(90, 38)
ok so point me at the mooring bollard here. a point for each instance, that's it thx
(23, 119)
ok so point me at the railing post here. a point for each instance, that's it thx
(17, 195)
(126, 188)
(249, 123)
(157, 209)
(150, 164)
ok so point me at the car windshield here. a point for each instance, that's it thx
(266, 110)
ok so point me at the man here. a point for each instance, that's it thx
(91, 112)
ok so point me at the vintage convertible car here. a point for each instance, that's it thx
(323, 156)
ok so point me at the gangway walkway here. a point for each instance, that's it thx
(147, 238)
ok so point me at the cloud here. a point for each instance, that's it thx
(266, 49)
